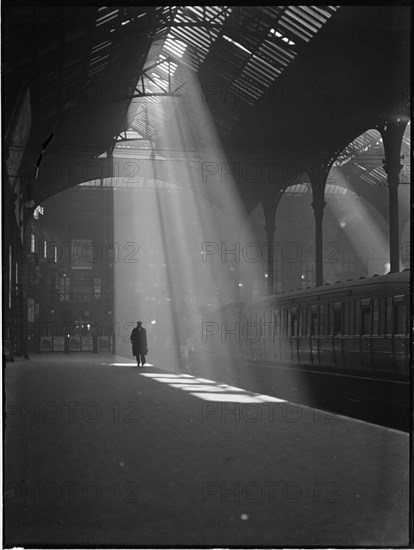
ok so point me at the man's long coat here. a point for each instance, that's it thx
(139, 341)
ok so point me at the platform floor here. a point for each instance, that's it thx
(99, 452)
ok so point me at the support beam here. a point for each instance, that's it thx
(318, 206)
(394, 237)
(392, 134)
(269, 210)
(318, 175)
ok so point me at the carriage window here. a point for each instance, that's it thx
(324, 329)
(285, 324)
(293, 324)
(381, 315)
(366, 315)
(337, 320)
(264, 327)
(389, 327)
(302, 321)
(327, 319)
(276, 323)
(322, 319)
(357, 317)
(268, 327)
(314, 323)
(375, 316)
(260, 324)
(346, 318)
(399, 318)
(351, 318)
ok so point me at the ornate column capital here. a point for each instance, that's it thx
(318, 205)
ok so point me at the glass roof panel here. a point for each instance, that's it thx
(242, 47)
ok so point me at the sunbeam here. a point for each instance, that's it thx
(182, 241)
(366, 236)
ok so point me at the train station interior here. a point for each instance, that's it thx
(206, 275)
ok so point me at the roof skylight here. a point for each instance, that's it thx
(284, 38)
(237, 44)
(175, 46)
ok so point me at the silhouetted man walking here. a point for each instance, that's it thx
(139, 343)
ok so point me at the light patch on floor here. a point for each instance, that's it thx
(208, 390)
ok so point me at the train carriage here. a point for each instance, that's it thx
(360, 326)
(343, 346)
